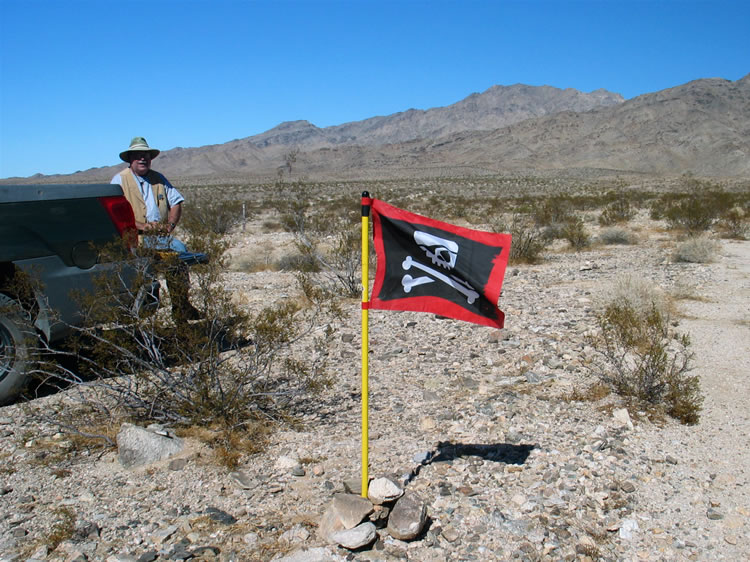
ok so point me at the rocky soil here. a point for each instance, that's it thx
(480, 424)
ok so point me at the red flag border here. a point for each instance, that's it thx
(429, 304)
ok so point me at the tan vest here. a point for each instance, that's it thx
(132, 192)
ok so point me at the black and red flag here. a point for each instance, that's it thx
(425, 265)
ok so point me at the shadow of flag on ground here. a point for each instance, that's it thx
(425, 265)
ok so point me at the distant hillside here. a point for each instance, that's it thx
(497, 107)
(701, 127)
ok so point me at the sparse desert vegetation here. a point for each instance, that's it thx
(592, 299)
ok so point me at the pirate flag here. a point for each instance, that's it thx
(426, 265)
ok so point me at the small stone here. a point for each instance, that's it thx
(427, 424)
(422, 457)
(162, 535)
(220, 516)
(285, 463)
(627, 528)
(361, 535)
(713, 514)
(622, 418)
(628, 487)
(243, 479)
(298, 471)
(450, 534)
(209, 552)
(353, 486)
(383, 490)
(295, 535)
(178, 464)
(250, 538)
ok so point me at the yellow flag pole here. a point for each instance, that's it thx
(365, 317)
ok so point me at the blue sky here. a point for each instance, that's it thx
(79, 78)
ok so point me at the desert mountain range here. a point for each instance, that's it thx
(702, 127)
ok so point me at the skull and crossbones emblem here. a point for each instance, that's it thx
(443, 253)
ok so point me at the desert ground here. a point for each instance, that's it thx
(492, 429)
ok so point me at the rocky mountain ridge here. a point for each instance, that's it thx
(701, 127)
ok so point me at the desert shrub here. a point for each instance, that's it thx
(228, 369)
(298, 262)
(644, 358)
(528, 243)
(272, 226)
(697, 249)
(553, 232)
(63, 528)
(693, 214)
(695, 210)
(574, 231)
(327, 233)
(616, 212)
(554, 210)
(734, 224)
(637, 293)
(617, 235)
(216, 215)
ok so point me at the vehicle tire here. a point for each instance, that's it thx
(17, 349)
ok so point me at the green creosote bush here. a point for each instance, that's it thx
(642, 357)
(552, 211)
(527, 243)
(734, 224)
(298, 262)
(695, 210)
(552, 232)
(229, 369)
(618, 211)
(327, 233)
(216, 215)
(574, 231)
(697, 249)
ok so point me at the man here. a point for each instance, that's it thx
(157, 207)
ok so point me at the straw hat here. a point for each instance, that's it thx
(138, 144)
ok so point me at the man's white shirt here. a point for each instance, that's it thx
(152, 211)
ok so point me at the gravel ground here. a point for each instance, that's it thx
(479, 422)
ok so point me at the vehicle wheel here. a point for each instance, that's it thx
(17, 336)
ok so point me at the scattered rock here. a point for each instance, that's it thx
(407, 518)
(383, 490)
(622, 418)
(346, 511)
(358, 537)
(138, 446)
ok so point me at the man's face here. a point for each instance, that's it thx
(140, 162)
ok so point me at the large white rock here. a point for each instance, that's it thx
(361, 535)
(137, 446)
(382, 490)
(622, 418)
